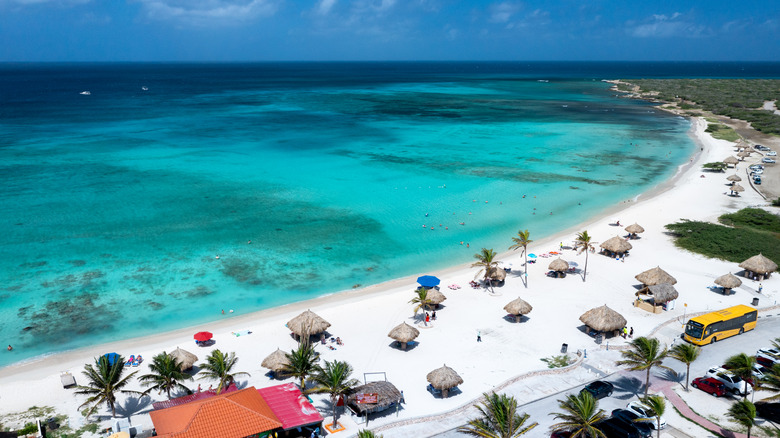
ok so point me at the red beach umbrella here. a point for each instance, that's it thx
(203, 336)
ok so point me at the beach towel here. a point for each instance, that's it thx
(242, 333)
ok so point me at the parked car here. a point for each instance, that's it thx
(755, 166)
(617, 428)
(733, 382)
(760, 147)
(772, 354)
(599, 389)
(757, 180)
(768, 411)
(768, 160)
(644, 412)
(771, 154)
(710, 386)
(641, 424)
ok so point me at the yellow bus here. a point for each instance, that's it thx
(714, 326)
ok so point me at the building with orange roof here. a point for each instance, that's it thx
(238, 414)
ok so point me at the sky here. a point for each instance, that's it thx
(389, 30)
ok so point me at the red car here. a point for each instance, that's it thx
(710, 385)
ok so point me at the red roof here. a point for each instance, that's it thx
(235, 414)
(200, 395)
(290, 406)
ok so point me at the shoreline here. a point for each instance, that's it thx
(353, 295)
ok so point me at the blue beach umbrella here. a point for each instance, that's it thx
(428, 281)
(112, 357)
(532, 256)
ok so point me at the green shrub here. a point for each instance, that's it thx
(755, 218)
(558, 361)
(27, 429)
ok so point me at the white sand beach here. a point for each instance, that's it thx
(363, 318)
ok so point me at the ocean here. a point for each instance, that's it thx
(170, 192)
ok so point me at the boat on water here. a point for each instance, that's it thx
(145, 88)
(85, 93)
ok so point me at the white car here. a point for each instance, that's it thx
(758, 171)
(768, 160)
(756, 166)
(732, 382)
(644, 412)
(771, 154)
(769, 356)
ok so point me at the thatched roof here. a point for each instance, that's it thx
(387, 395)
(518, 307)
(616, 244)
(635, 228)
(444, 378)
(731, 160)
(184, 357)
(729, 281)
(559, 265)
(307, 323)
(661, 293)
(404, 333)
(276, 361)
(737, 188)
(743, 154)
(655, 276)
(734, 178)
(435, 296)
(759, 264)
(497, 274)
(603, 319)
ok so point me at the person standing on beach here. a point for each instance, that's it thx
(479, 336)
(433, 315)
(760, 287)
(631, 333)
(427, 318)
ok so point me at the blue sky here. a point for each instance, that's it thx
(267, 30)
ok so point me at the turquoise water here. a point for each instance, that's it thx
(117, 204)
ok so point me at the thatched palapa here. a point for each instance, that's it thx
(184, 357)
(603, 319)
(497, 274)
(435, 296)
(737, 188)
(655, 276)
(744, 154)
(617, 245)
(276, 361)
(307, 323)
(559, 265)
(444, 379)
(728, 281)
(404, 333)
(734, 178)
(731, 160)
(759, 264)
(660, 293)
(387, 397)
(518, 307)
(635, 229)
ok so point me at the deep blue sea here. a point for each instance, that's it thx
(172, 191)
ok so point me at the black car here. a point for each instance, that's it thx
(614, 427)
(644, 428)
(599, 389)
(768, 411)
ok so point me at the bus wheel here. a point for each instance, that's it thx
(714, 338)
(741, 330)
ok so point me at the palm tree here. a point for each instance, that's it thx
(742, 365)
(580, 414)
(583, 243)
(104, 380)
(335, 379)
(687, 354)
(743, 413)
(771, 381)
(776, 343)
(218, 366)
(499, 419)
(644, 354)
(303, 362)
(365, 433)
(421, 301)
(165, 375)
(486, 261)
(522, 241)
(657, 404)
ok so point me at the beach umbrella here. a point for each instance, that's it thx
(276, 361)
(603, 319)
(731, 160)
(558, 265)
(743, 154)
(662, 293)
(428, 281)
(655, 276)
(737, 188)
(532, 256)
(759, 264)
(404, 333)
(185, 358)
(435, 297)
(728, 281)
(496, 274)
(518, 307)
(307, 323)
(444, 379)
(203, 336)
(112, 357)
(616, 244)
(635, 228)
(734, 178)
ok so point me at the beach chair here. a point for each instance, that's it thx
(67, 380)
(434, 391)
(138, 360)
(130, 361)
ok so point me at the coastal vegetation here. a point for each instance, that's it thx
(750, 231)
(522, 241)
(743, 413)
(421, 300)
(559, 361)
(579, 416)
(721, 131)
(303, 362)
(335, 379)
(104, 382)
(486, 260)
(219, 366)
(498, 418)
(742, 365)
(657, 404)
(644, 354)
(687, 354)
(165, 375)
(741, 99)
(583, 242)
(715, 166)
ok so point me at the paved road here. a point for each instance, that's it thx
(630, 384)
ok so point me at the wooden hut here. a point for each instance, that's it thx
(373, 397)
(603, 319)
(403, 334)
(758, 267)
(518, 308)
(656, 297)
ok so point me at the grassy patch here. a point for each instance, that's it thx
(722, 132)
(558, 361)
(752, 233)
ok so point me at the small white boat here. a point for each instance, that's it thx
(145, 88)
(85, 93)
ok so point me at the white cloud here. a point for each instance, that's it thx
(663, 26)
(503, 12)
(208, 12)
(324, 6)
